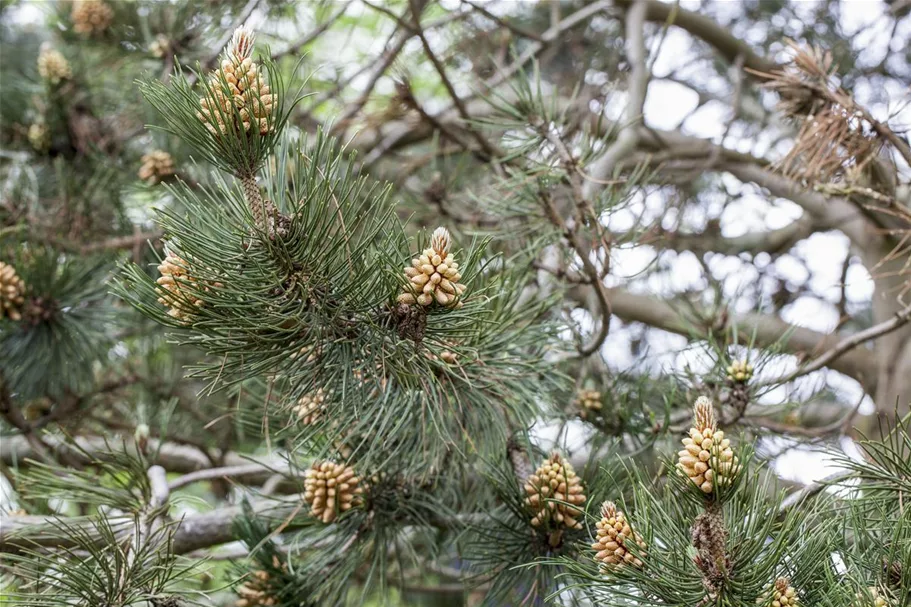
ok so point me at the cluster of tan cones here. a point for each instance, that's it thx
(434, 275)
(238, 91)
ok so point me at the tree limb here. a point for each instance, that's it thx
(312, 34)
(193, 532)
(244, 472)
(778, 240)
(171, 456)
(628, 138)
(812, 489)
(768, 330)
(849, 343)
(707, 30)
(830, 212)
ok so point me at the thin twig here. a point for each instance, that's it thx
(504, 23)
(441, 70)
(900, 318)
(840, 426)
(378, 71)
(219, 46)
(334, 91)
(812, 489)
(313, 34)
(600, 290)
(534, 49)
(221, 473)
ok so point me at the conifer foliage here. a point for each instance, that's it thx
(287, 323)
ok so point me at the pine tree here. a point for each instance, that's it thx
(372, 330)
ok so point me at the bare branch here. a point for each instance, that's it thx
(768, 330)
(774, 241)
(702, 27)
(158, 479)
(245, 472)
(900, 319)
(193, 532)
(313, 34)
(830, 212)
(593, 275)
(170, 456)
(441, 70)
(810, 490)
(628, 138)
(400, 38)
(504, 23)
(401, 134)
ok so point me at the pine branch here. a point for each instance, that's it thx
(192, 532)
(173, 457)
(247, 473)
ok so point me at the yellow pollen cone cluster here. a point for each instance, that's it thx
(740, 371)
(52, 65)
(447, 356)
(156, 166)
(174, 288)
(783, 595)
(589, 402)
(331, 489)
(613, 534)
(12, 293)
(237, 89)
(707, 458)
(554, 494)
(255, 592)
(309, 407)
(878, 600)
(434, 276)
(39, 137)
(91, 17)
(160, 46)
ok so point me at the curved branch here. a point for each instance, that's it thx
(246, 472)
(628, 138)
(830, 212)
(312, 34)
(901, 318)
(193, 532)
(775, 241)
(172, 457)
(707, 30)
(768, 330)
(812, 489)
